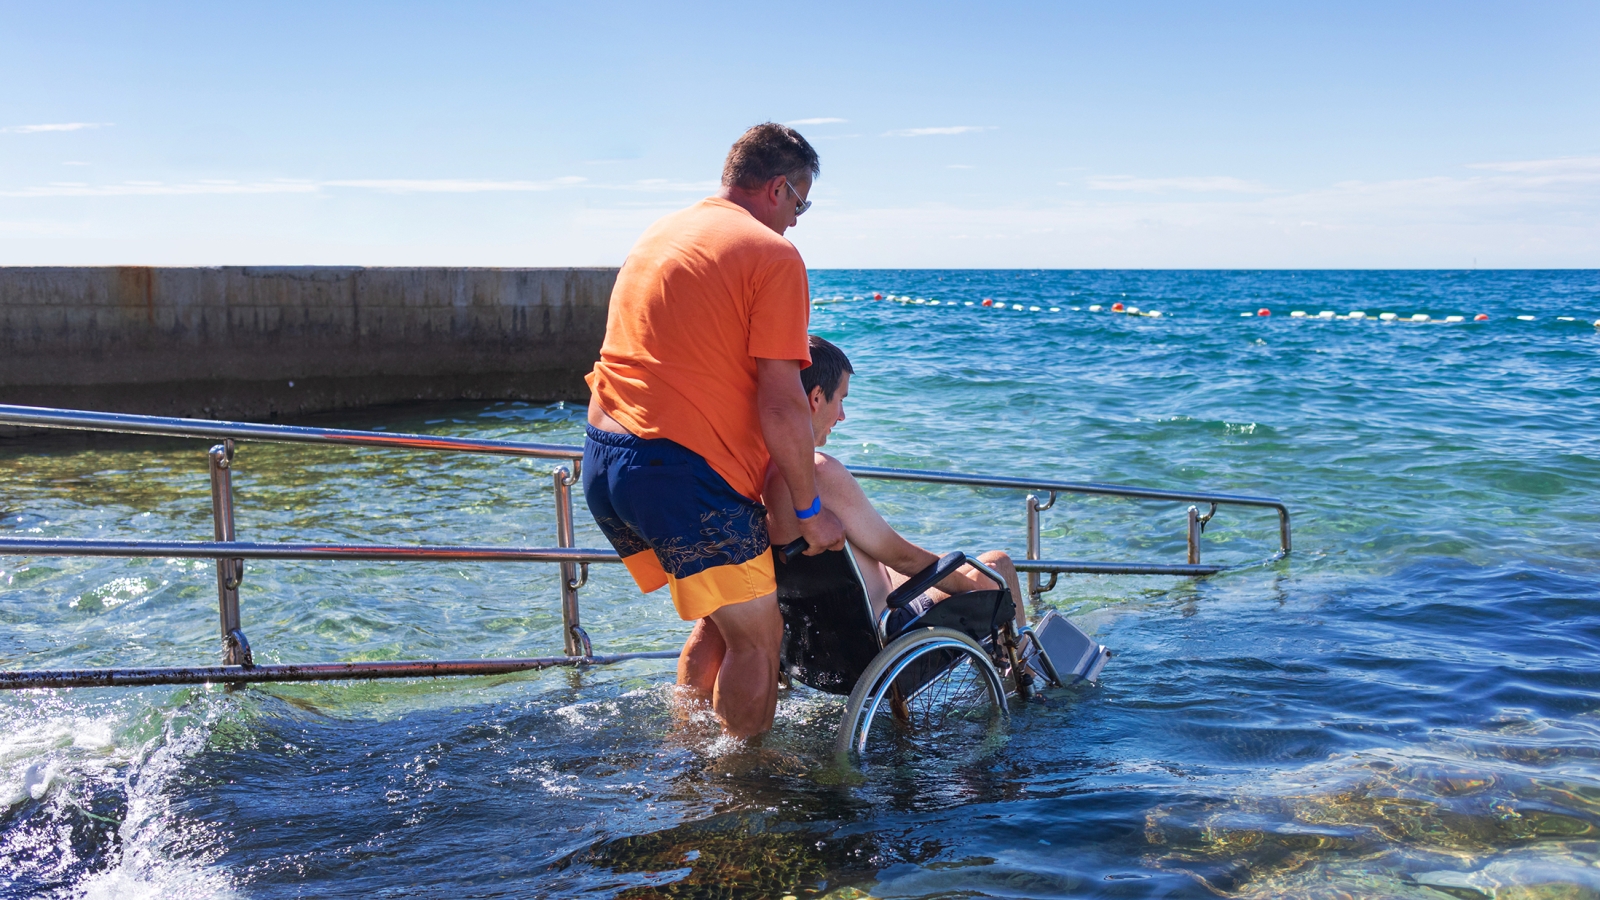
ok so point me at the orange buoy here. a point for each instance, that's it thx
(1481, 317)
(877, 296)
(987, 302)
(1116, 307)
(1263, 311)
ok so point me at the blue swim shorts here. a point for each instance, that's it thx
(676, 522)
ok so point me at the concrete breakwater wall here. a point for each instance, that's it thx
(260, 342)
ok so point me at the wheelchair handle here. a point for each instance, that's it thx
(794, 548)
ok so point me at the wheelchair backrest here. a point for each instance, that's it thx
(829, 636)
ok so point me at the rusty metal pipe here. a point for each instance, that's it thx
(64, 678)
(123, 423)
(1110, 568)
(244, 550)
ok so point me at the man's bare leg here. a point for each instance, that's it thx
(701, 658)
(745, 695)
(1000, 561)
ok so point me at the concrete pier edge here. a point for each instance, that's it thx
(257, 343)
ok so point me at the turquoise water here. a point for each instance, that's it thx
(1407, 706)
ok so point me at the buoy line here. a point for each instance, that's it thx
(991, 303)
(1389, 317)
(1121, 309)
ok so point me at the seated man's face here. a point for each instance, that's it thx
(827, 413)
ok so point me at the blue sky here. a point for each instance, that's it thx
(974, 135)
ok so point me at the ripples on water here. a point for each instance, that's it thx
(1406, 707)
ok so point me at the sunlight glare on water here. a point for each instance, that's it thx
(1404, 707)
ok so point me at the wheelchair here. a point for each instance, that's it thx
(931, 680)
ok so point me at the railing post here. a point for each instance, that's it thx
(1283, 531)
(574, 640)
(1035, 589)
(230, 572)
(1194, 535)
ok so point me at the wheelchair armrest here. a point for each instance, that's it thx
(925, 579)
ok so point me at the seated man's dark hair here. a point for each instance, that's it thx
(827, 369)
(765, 152)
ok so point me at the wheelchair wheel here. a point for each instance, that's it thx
(931, 690)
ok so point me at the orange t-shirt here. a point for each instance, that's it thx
(703, 294)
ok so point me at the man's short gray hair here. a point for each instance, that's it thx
(767, 151)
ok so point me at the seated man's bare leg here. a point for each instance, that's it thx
(1000, 561)
(701, 658)
(745, 695)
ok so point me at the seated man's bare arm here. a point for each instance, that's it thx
(864, 527)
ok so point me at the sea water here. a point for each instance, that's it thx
(1406, 706)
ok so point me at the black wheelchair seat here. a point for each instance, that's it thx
(830, 634)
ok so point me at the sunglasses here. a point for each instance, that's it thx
(803, 203)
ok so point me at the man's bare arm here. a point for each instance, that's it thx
(786, 427)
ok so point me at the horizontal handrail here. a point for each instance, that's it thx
(1078, 567)
(247, 550)
(1285, 541)
(1065, 487)
(122, 423)
(135, 677)
(125, 423)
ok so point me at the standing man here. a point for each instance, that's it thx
(697, 386)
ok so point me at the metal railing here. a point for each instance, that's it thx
(239, 665)
(1034, 566)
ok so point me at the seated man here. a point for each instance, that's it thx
(885, 558)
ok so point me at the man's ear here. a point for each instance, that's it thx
(816, 398)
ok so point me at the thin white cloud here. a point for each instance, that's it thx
(158, 189)
(661, 185)
(1203, 184)
(959, 166)
(58, 126)
(1527, 213)
(381, 185)
(73, 162)
(820, 120)
(1566, 165)
(452, 185)
(947, 129)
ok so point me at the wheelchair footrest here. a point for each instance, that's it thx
(1062, 653)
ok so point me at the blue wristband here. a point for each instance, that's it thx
(808, 512)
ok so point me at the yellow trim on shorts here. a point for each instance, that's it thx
(703, 593)
(646, 570)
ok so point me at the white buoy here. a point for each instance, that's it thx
(1565, 319)
(1388, 317)
(1133, 310)
(1326, 314)
(1420, 317)
(1076, 309)
(1247, 315)
(968, 303)
(1033, 309)
(1455, 318)
(1155, 313)
(1095, 308)
(1358, 314)
(1055, 309)
(1524, 318)
(1298, 314)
